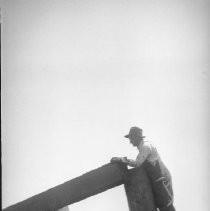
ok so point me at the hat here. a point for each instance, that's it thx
(135, 131)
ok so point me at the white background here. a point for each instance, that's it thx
(76, 75)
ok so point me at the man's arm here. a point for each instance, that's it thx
(126, 161)
(131, 163)
(142, 156)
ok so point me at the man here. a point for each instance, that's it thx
(157, 172)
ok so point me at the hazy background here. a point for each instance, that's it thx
(76, 75)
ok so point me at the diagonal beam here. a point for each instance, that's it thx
(77, 189)
(137, 187)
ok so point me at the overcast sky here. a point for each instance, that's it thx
(76, 75)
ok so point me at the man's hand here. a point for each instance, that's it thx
(119, 160)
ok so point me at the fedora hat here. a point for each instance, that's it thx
(135, 131)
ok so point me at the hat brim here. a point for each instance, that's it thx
(127, 136)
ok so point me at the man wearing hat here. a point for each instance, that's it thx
(159, 175)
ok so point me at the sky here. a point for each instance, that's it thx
(76, 75)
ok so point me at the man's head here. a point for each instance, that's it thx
(135, 136)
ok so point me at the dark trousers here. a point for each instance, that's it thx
(163, 193)
(161, 185)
